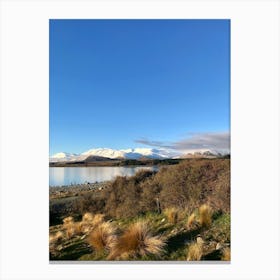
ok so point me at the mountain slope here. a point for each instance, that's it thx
(137, 153)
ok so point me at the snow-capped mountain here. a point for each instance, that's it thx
(129, 153)
(62, 156)
(136, 153)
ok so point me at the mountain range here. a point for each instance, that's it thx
(100, 154)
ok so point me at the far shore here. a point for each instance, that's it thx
(116, 163)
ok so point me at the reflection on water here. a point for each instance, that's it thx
(61, 176)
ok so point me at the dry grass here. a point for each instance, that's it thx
(172, 215)
(195, 251)
(191, 221)
(137, 241)
(58, 236)
(205, 215)
(68, 220)
(87, 217)
(89, 221)
(69, 226)
(226, 254)
(102, 237)
(79, 228)
(98, 219)
(70, 230)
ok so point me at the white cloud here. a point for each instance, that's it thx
(217, 141)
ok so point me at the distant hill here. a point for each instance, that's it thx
(97, 158)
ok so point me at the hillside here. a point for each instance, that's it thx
(182, 210)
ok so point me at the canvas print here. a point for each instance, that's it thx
(139, 140)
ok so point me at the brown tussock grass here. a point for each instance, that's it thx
(191, 221)
(70, 230)
(58, 236)
(69, 226)
(226, 254)
(102, 237)
(172, 215)
(98, 219)
(87, 217)
(90, 221)
(205, 215)
(137, 241)
(195, 251)
(79, 228)
(68, 220)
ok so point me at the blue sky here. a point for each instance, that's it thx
(137, 83)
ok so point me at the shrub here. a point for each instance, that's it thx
(88, 203)
(137, 241)
(142, 175)
(150, 195)
(122, 198)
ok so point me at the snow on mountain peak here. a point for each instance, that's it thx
(105, 152)
(135, 153)
(62, 155)
(131, 153)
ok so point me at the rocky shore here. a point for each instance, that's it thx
(75, 189)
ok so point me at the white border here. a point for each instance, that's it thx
(254, 130)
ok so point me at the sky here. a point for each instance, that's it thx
(138, 83)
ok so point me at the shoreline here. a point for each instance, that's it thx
(57, 192)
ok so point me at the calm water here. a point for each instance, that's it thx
(60, 176)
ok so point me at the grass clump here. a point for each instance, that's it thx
(58, 236)
(226, 254)
(87, 217)
(191, 221)
(102, 237)
(205, 215)
(137, 241)
(97, 219)
(69, 226)
(172, 215)
(90, 221)
(195, 251)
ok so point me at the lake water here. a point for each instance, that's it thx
(61, 176)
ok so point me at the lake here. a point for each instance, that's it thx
(61, 176)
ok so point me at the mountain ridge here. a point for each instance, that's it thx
(132, 153)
